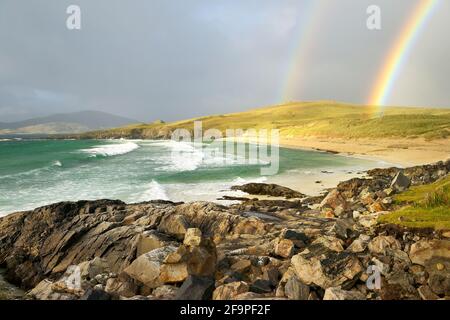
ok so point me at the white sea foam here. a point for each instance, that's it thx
(109, 150)
(155, 191)
(240, 180)
(185, 156)
(57, 163)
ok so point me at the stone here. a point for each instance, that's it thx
(400, 182)
(268, 189)
(44, 291)
(150, 240)
(241, 266)
(294, 235)
(284, 248)
(96, 294)
(196, 288)
(271, 274)
(369, 220)
(382, 244)
(439, 283)
(166, 292)
(249, 296)
(147, 267)
(334, 200)
(178, 256)
(253, 226)
(426, 293)
(173, 273)
(399, 285)
(376, 207)
(326, 268)
(329, 242)
(366, 196)
(261, 286)
(384, 268)
(230, 290)
(419, 274)
(121, 287)
(426, 250)
(202, 261)
(193, 237)
(359, 245)
(175, 225)
(294, 289)
(90, 269)
(101, 278)
(336, 293)
(342, 229)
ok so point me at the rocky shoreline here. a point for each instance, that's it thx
(328, 247)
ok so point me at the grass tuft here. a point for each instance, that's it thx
(426, 206)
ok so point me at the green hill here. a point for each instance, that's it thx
(322, 118)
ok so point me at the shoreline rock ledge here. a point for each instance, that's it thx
(304, 249)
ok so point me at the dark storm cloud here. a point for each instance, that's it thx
(168, 59)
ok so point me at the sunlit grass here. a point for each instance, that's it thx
(427, 206)
(322, 119)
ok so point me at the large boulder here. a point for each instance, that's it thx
(269, 190)
(326, 268)
(148, 267)
(336, 201)
(196, 288)
(400, 182)
(294, 289)
(383, 244)
(336, 293)
(230, 290)
(172, 264)
(426, 250)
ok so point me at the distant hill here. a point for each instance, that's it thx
(326, 119)
(76, 122)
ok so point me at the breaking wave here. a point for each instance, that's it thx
(109, 150)
(155, 191)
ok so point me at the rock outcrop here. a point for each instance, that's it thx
(273, 190)
(310, 249)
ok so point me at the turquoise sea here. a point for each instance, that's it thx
(38, 172)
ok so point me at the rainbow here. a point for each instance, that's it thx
(399, 54)
(308, 27)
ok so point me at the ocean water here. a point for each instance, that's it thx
(34, 173)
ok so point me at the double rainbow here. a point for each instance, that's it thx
(399, 54)
(392, 65)
(308, 26)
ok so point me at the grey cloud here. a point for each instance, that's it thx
(173, 59)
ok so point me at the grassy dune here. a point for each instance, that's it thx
(427, 206)
(320, 119)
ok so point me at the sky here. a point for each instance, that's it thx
(177, 59)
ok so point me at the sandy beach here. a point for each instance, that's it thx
(402, 152)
